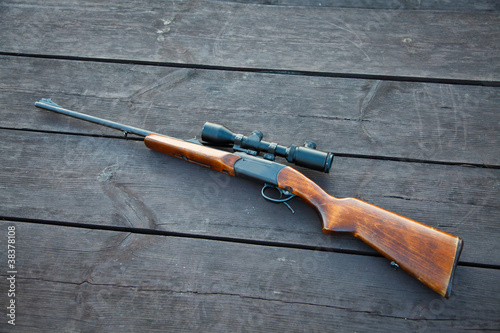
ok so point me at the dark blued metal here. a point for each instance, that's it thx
(257, 168)
(306, 156)
(285, 196)
(48, 104)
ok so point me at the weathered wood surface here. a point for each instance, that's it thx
(112, 281)
(165, 245)
(457, 5)
(404, 43)
(435, 122)
(70, 178)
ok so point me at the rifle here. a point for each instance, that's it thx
(428, 254)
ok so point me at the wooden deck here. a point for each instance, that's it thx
(113, 237)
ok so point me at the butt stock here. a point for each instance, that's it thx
(428, 254)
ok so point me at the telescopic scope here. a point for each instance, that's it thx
(306, 156)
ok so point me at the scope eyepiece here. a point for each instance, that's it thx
(306, 156)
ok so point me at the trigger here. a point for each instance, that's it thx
(285, 196)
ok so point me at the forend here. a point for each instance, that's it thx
(306, 156)
(237, 164)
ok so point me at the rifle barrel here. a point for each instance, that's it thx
(48, 104)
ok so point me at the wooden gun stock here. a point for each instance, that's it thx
(215, 159)
(428, 254)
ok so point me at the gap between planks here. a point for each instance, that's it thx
(360, 156)
(484, 83)
(144, 231)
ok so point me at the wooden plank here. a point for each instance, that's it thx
(436, 122)
(121, 183)
(403, 43)
(457, 5)
(107, 281)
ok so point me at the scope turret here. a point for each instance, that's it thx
(306, 156)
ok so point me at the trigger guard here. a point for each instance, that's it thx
(282, 193)
(288, 196)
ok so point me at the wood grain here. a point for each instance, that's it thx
(428, 254)
(404, 43)
(214, 159)
(457, 5)
(107, 281)
(117, 182)
(435, 122)
(405, 92)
